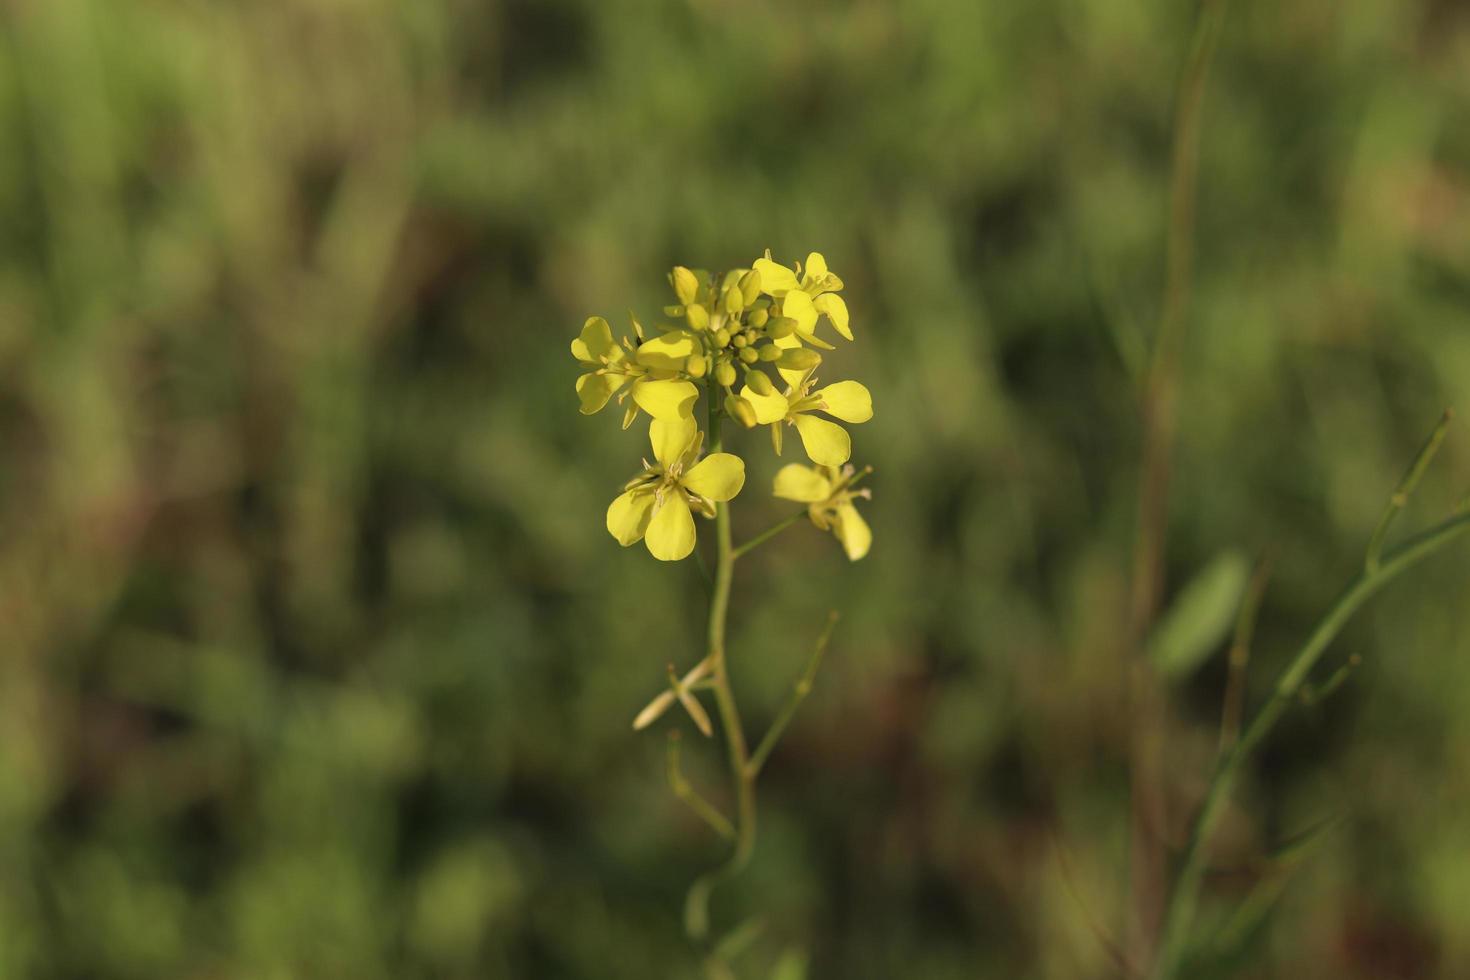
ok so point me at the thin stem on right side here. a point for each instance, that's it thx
(1179, 913)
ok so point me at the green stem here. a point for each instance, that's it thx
(696, 906)
(1185, 896)
(691, 797)
(1406, 487)
(768, 533)
(799, 691)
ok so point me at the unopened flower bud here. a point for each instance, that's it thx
(686, 286)
(722, 337)
(781, 326)
(749, 355)
(758, 318)
(769, 352)
(725, 374)
(739, 340)
(750, 286)
(759, 382)
(696, 316)
(734, 302)
(740, 410)
(696, 365)
(799, 359)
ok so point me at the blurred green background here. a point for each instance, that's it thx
(317, 658)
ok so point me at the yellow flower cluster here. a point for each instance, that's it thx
(722, 331)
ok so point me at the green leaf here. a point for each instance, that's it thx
(1201, 615)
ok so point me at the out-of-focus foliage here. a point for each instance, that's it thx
(317, 660)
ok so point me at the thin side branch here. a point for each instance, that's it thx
(691, 797)
(768, 533)
(799, 692)
(1240, 652)
(1405, 489)
(1315, 695)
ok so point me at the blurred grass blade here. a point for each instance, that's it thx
(739, 939)
(1201, 615)
(791, 965)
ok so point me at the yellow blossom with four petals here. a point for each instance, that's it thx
(656, 506)
(656, 389)
(828, 493)
(826, 443)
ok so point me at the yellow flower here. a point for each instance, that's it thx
(829, 495)
(657, 386)
(825, 442)
(802, 300)
(655, 505)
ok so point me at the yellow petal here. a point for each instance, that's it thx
(794, 377)
(670, 438)
(825, 442)
(798, 306)
(816, 266)
(595, 389)
(852, 531)
(802, 484)
(670, 535)
(835, 309)
(719, 476)
(627, 517)
(668, 352)
(671, 399)
(768, 408)
(776, 280)
(847, 400)
(595, 340)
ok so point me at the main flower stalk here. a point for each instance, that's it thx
(742, 777)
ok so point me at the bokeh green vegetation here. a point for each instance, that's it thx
(317, 659)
